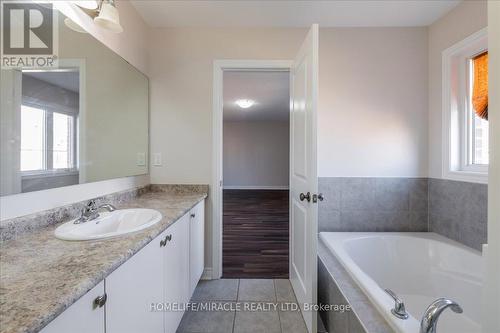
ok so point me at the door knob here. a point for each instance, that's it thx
(306, 196)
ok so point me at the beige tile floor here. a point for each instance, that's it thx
(244, 291)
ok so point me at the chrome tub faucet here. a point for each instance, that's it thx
(431, 315)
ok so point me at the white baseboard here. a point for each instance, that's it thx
(264, 187)
(207, 274)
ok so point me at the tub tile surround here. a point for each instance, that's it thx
(56, 273)
(335, 286)
(373, 204)
(456, 210)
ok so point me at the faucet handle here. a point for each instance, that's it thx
(91, 205)
(399, 307)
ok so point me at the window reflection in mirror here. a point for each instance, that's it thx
(85, 120)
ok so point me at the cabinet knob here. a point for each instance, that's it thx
(164, 241)
(100, 301)
(193, 215)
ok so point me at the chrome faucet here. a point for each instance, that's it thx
(399, 310)
(431, 315)
(91, 211)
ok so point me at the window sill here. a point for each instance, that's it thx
(47, 174)
(467, 176)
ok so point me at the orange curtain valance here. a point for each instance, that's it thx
(480, 88)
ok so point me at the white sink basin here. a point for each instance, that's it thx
(109, 224)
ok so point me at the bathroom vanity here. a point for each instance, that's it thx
(122, 284)
(135, 297)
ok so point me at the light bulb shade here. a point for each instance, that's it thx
(74, 26)
(109, 18)
(87, 4)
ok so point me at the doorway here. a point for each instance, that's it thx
(255, 200)
(303, 181)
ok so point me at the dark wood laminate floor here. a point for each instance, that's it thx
(255, 234)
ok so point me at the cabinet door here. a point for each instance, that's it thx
(132, 289)
(81, 317)
(197, 244)
(176, 260)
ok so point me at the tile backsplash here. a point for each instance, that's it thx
(456, 210)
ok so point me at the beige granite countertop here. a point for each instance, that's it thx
(40, 275)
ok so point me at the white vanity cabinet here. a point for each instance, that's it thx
(132, 288)
(196, 244)
(84, 316)
(163, 273)
(176, 272)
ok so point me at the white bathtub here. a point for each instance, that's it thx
(418, 267)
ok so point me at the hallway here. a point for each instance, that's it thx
(255, 234)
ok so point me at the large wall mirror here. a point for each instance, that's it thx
(84, 121)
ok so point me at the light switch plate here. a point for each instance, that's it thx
(157, 159)
(141, 159)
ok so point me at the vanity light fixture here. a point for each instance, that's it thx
(87, 4)
(104, 13)
(245, 103)
(108, 17)
(74, 26)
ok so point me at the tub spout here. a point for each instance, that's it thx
(431, 315)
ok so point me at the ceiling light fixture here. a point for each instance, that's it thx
(245, 103)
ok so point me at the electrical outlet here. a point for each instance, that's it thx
(157, 159)
(141, 159)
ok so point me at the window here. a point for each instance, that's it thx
(477, 112)
(47, 140)
(465, 109)
(32, 138)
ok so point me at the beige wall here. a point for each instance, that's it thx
(461, 22)
(372, 118)
(181, 62)
(256, 154)
(181, 96)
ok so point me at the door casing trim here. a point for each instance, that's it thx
(219, 66)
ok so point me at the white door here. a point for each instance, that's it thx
(196, 245)
(176, 271)
(303, 178)
(83, 316)
(132, 289)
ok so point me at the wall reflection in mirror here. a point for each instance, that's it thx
(84, 121)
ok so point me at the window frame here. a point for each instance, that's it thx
(457, 110)
(48, 169)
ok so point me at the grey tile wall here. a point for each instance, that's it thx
(373, 204)
(458, 210)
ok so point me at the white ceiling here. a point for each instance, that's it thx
(269, 90)
(281, 13)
